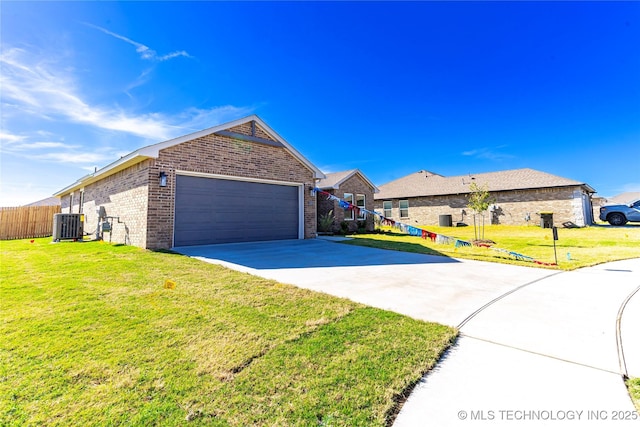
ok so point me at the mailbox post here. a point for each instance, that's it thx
(555, 237)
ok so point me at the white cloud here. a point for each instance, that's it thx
(22, 193)
(488, 153)
(73, 157)
(45, 91)
(57, 152)
(144, 51)
(42, 89)
(10, 138)
(631, 187)
(195, 119)
(41, 145)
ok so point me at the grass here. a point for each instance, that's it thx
(633, 385)
(575, 247)
(91, 336)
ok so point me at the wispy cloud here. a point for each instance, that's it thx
(631, 187)
(52, 151)
(38, 87)
(195, 119)
(8, 138)
(144, 51)
(488, 153)
(41, 88)
(41, 145)
(81, 158)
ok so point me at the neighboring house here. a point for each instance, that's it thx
(49, 201)
(520, 196)
(351, 186)
(623, 198)
(619, 199)
(236, 182)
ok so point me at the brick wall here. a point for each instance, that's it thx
(512, 207)
(221, 155)
(123, 195)
(354, 185)
(146, 210)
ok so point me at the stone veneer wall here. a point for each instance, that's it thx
(513, 206)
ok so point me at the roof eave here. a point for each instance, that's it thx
(120, 164)
(153, 151)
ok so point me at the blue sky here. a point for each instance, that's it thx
(387, 87)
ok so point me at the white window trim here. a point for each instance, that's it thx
(349, 211)
(400, 208)
(384, 210)
(81, 201)
(361, 215)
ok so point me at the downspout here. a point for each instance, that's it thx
(315, 204)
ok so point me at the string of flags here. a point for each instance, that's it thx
(420, 232)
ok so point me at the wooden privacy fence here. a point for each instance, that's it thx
(27, 222)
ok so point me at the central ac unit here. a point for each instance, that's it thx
(68, 226)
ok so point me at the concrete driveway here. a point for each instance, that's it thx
(427, 287)
(536, 346)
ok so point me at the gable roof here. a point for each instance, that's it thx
(49, 201)
(333, 180)
(153, 151)
(425, 183)
(624, 198)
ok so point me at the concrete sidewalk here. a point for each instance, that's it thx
(544, 355)
(546, 347)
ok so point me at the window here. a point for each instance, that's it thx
(404, 209)
(360, 202)
(81, 201)
(348, 214)
(71, 203)
(386, 208)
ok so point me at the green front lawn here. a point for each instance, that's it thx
(575, 247)
(91, 336)
(633, 385)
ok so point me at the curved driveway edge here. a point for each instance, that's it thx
(544, 352)
(544, 355)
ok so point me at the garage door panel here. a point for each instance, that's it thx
(223, 211)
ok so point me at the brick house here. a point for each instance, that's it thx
(351, 186)
(235, 182)
(519, 196)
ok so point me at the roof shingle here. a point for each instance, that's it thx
(425, 183)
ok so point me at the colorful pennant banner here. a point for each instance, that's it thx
(420, 232)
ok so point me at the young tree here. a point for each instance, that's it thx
(479, 202)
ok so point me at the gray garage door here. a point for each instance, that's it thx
(225, 211)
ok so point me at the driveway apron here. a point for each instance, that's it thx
(427, 287)
(537, 347)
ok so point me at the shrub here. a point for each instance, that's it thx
(325, 223)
